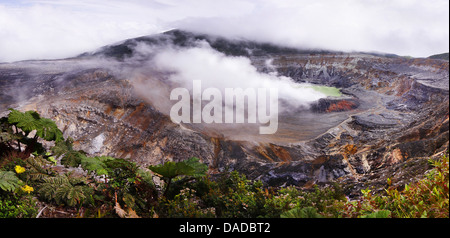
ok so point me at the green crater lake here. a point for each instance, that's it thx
(329, 91)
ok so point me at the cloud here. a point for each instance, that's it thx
(57, 31)
(416, 28)
(54, 29)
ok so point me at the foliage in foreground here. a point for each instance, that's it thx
(428, 197)
(114, 187)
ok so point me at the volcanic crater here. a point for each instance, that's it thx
(391, 117)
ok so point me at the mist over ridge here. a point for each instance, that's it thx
(58, 29)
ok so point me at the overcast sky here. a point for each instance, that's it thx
(48, 29)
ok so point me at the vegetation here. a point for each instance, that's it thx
(426, 198)
(113, 187)
(443, 56)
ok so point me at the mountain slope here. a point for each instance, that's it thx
(443, 56)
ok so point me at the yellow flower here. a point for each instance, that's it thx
(19, 169)
(27, 189)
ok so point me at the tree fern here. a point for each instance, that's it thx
(9, 181)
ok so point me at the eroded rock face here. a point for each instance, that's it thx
(394, 113)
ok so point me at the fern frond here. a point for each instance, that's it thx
(306, 212)
(9, 181)
(48, 130)
(200, 169)
(49, 187)
(73, 195)
(62, 147)
(72, 158)
(190, 167)
(64, 189)
(30, 120)
(95, 164)
(27, 121)
(39, 168)
(132, 214)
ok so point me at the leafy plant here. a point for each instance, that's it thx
(200, 169)
(131, 186)
(378, 214)
(31, 120)
(185, 204)
(9, 181)
(66, 190)
(306, 212)
(429, 197)
(190, 167)
(96, 164)
(27, 121)
(170, 170)
(15, 133)
(14, 206)
(72, 158)
(63, 146)
(38, 169)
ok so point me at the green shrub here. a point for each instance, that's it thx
(306, 212)
(66, 190)
(17, 206)
(184, 205)
(429, 197)
(232, 195)
(188, 169)
(118, 186)
(9, 182)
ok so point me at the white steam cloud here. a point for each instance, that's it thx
(173, 67)
(216, 70)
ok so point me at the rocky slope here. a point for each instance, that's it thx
(392, 117)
